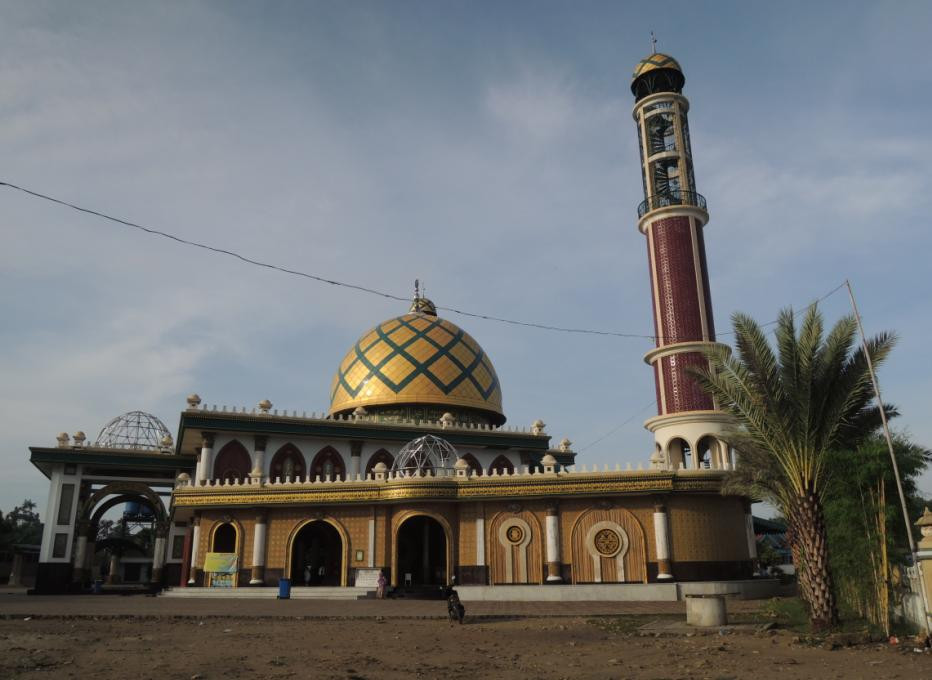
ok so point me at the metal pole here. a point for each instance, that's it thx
(886, 434)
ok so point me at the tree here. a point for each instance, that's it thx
(865, 523)
(20, 526)
(791, 407)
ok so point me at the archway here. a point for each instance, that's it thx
(380, 456)
(421, 552)
(707, 453)
(327, 464)
(474, 467)
(224, 539)
(502, 466)
(233, 463)
(317, 555)
(679, 454)
(287, 463)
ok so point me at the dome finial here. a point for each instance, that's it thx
(420, 304)
(653, 43)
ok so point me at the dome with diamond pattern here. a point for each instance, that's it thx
(418, 366)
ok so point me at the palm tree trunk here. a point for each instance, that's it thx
(813, 545)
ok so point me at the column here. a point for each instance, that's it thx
(553, 543)
(371, 545)
(113, 576)
(257, 577)
(80, 555)
(158, 553)
(355, 458)
(662, 539)
(749, 528)
(206, 462)
(258, 458)
(195, 539)
(16, 571)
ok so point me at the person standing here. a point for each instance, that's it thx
(380, 585)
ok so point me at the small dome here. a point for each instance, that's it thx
(426, 454)
(655, 61)
(133, 430)
(548, 459)
(417, 359)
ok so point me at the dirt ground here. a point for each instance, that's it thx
(217, 647)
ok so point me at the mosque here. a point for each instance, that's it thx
(412, 471)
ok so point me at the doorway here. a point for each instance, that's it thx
(422, 552)
(317, 555)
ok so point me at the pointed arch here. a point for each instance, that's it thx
(502, 465)
(232, 463)
(380, 456)
(288, 461)
(474, 467)
(328, 463)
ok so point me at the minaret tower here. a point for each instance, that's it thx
(672, 216)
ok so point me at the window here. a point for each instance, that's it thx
(60, 544)
(64, 505)
(665, 175)
(661, 133)
(177, 547)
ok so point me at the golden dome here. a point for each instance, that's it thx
(655, 61)
(417, 359)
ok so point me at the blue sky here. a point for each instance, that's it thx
(485, 148)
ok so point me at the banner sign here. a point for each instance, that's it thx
(220, 563)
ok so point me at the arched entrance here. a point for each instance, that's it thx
(421, 552)
(224, 539)
(317, 555)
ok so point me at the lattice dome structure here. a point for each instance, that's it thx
(134, 430)
(427, 454)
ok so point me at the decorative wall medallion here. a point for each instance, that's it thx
(514, 534)
(317, 514)
(603, 504)
(514, 507)
(607, 542)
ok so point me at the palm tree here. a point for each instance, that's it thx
(790, 408)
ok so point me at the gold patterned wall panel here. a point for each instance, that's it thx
(468, 513)
(514, 552)
(608, 546)
(707, 528)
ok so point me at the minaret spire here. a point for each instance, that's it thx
(688, 427)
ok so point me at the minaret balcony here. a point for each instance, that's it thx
(671, 198)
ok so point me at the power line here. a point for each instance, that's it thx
(314, 277)
(352, 286)
(615, 429)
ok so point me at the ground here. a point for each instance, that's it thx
(138, 637)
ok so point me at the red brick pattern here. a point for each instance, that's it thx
(680, 391)
(680, 318)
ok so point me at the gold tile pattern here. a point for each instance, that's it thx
(417, 358)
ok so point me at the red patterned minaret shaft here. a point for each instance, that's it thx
(672, 217)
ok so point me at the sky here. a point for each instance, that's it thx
(485, 148)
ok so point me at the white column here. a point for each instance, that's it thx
(80, 554)
(553, 544)
(51, 513)
(480, 541)
(355, 459)
(195, 539)
(258, 457)
(206, 463)
(16, 571)
(158, 558)
(662, 540)
(749, 528)
(371, 545)
(258, 551)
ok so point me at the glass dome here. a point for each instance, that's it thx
(134, 430)
(425, 455)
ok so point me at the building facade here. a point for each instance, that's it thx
(412, 471)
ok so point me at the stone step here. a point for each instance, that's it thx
(298, 593)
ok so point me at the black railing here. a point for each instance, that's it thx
(669, 198)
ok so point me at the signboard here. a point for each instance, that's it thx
(221, 569)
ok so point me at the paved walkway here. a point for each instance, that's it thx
(17, 603)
